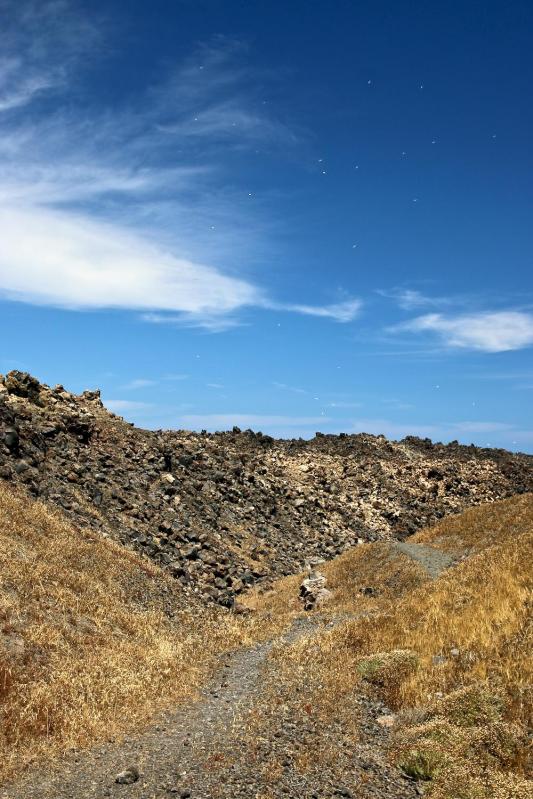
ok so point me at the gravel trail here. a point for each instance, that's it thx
(200, 750)
(432, 560)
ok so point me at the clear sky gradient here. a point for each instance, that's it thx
(290, 216)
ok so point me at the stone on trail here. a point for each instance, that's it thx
(387, 720)
(128, 776)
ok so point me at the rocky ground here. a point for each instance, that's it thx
(223, 511)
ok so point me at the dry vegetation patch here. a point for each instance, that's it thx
(451, 656)
(93, 639)
(477, 528)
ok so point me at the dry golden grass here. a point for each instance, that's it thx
(455, 650)
(480, 608)
(482, 526)
(276, 607)
(92, 638)
(376, 565)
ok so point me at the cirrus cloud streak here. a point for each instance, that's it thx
(130, 208)
(70, 261)
(489, 331)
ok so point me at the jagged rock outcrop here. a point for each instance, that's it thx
(223, 511)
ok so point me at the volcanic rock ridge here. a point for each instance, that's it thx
(224, 511)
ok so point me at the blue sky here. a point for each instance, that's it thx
(287, 216)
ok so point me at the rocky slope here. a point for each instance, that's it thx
(222, 511)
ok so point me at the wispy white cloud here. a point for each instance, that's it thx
(128, 208)
(231, 122)
(224, 421)
(344, 404)
(291, 389)
(345, 311)
(211, 98)
(217, 319)
(486, 433)
(213, 320)
(481, 427)
(81, 205)
(408, 299)
(119, 405)
(23, 92)
(139, 382)
(39, 42)
(496, 331)
(442, 431)
(175, 377)
(71, 261)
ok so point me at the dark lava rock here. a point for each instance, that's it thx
(225, 511)
(22, 384)
(11, 439)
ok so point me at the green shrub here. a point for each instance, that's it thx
(383, 668)
(472, 706)
(424, 763)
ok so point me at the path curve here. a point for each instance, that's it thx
(434, 561)
(188, 751)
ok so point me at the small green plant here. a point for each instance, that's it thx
(422, 764)
(370, 668)
(386, 667)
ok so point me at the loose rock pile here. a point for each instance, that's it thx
(223, 511)
(313, 591)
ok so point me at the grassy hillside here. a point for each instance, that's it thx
(92, 640)
(450, 656)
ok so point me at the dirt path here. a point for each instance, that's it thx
(201, 751)
(432, 560)
(180, 743)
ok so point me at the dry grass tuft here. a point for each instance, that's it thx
(480, 759)
(377, 566)
(387, 670)
(93, 640)
(277, 607)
